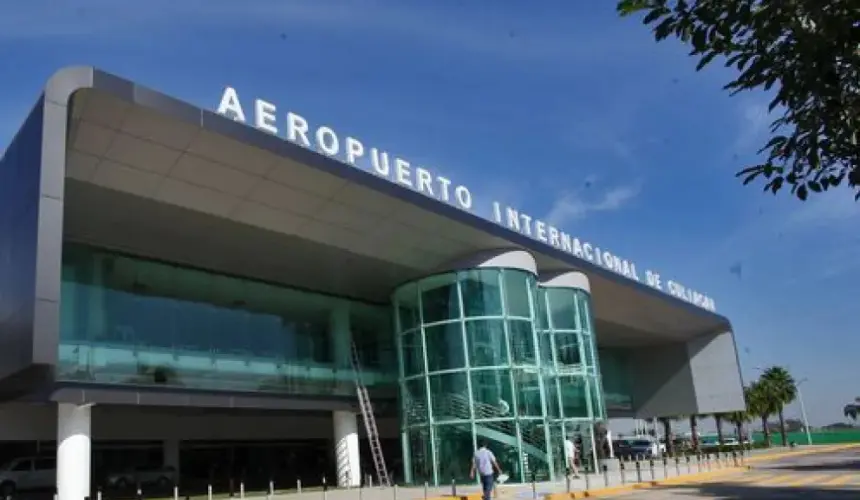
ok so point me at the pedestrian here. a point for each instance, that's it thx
(484, 462)
(570, 456)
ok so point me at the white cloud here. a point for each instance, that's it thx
(573, 205)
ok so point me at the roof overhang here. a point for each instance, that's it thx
(152, 175)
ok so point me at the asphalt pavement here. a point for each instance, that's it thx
(824, 476)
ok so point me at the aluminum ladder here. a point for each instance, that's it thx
(369, 421)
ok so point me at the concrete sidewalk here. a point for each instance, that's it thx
(542, 489)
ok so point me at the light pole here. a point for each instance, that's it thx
(803, 411)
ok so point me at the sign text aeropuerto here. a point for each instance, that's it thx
(352, 151)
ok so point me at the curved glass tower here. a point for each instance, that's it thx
(478, 361)
(572, 377)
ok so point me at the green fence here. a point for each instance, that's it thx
(818, 437)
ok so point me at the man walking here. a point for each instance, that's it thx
(570, 453)
(485, 463)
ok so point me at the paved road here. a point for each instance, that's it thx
(826, 476)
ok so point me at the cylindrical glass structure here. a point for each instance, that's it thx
(572, 373)
(470, 371)
(486, 354)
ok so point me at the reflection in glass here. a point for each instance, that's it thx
(481, 293)
(455, 446)
(128, 320)
(439, 299)
(487, 346)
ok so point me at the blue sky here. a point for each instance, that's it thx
(559, 108)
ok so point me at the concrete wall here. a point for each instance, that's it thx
(716, 375)
(662, 381)
(26, 422)
(699, 377)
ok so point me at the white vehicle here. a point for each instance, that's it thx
(159, 476)
(27, 473)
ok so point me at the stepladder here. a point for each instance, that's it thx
(369, 419)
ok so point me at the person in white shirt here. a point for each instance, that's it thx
(484, 463)
(570, 456)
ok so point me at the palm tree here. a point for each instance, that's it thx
(783, 391)
(694, 432)
(718, 422)
(851, 410)
(761, 404)
(738, 418)
(667, 433)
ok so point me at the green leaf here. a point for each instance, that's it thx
(802, 192)
(706, 60)
(653, 16)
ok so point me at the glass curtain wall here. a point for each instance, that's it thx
(128, 320)
(572, 372)
(470, 370)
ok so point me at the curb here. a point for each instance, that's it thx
(611, 490)
(801, 452)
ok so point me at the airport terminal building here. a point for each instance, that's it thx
(185, 287)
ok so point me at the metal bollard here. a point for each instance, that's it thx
(651, 468)
(638, 472)
(689, 470)
(99, 494)
(605, 475)
(587, 480)
(677, 465)
(708, 461)
(567, 479)
(242, 490)
(395, 491)
(139, 493)
(298, 486)
(665, 466)
(453, 487)
(735, 458)
(209, 492)
(175, 492)
(534, 486)
(360, 490)
(325, 488)
(621, 471)
(425, 490)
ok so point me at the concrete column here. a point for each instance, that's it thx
(340, 335)
(171, 455)
(73, 451)
(346, 452)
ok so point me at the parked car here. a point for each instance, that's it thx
(143, 476)
(27, 473)
(639, 447)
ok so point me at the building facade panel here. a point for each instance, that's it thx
(714, 364)
(20, 181)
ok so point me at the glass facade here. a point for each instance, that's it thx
(487, 354)
(129, 320)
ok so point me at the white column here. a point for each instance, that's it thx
(73, 451)
(340, 335)
(171, 455)
(346, 449)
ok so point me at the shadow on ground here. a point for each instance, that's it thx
(728, 491)
(845, 465)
